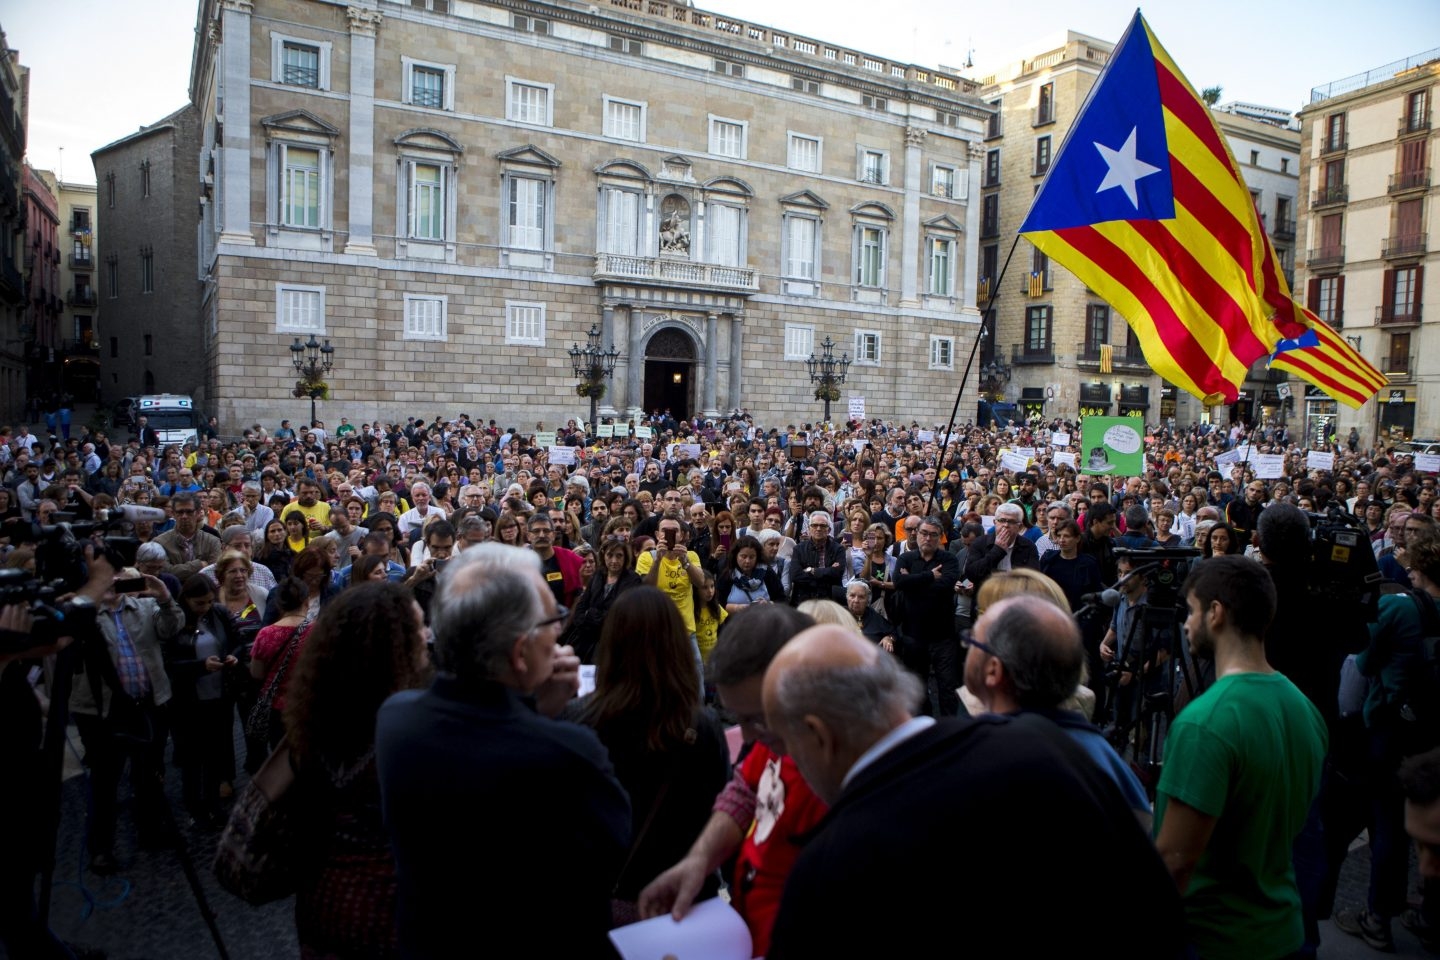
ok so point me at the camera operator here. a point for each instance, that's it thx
(129, 722)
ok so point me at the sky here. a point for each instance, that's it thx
(109, 71)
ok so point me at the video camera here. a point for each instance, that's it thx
(1342, 564)
(1166, 578)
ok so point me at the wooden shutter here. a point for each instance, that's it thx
(1312, 295)
(1407, 220)
(1387, 294)
(1339, 301)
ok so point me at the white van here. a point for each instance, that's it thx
(171, 415)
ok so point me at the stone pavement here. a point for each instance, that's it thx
(148, 912)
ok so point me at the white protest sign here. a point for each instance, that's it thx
(925, 436)
(1268, 466)
(562, 456)
(1427, 462)
(1010, 460)
(605, 430)
(1065, 460)
(859, 444)
(857, 408)
(1320, 460)
(1227, 458)
(987, 522)
(1025, 451)
(546, 439)
(1058, 439)
(642, 432)
(587, 679)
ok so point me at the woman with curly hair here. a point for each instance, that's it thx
(365, 646)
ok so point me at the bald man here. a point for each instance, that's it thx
(1012, 796)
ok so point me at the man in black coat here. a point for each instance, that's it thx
(1004, 548)
(925, 578)
(1016, 797)
(817, 564)
(474, 772)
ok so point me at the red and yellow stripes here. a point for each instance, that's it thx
(1334, 366)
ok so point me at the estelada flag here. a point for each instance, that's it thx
(1145, 204)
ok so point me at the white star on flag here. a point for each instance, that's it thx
(1125, 168)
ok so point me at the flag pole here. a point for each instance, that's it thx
(985, 319)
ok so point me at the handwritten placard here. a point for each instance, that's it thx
(856, 408)
(562, 456)
(605, 430)
(1427, 462)
(925, 436)
(1063, 459)
(642, 432)
(1268, 466)
(546, 439)
(1025, 451)
(1058, 439)
(1320, 460)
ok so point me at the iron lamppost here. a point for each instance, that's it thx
(312, 361)
(828, 372)
(592, 366)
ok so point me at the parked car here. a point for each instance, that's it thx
(1412, 447)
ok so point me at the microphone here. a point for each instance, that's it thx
(1109, 597)
(133, 512)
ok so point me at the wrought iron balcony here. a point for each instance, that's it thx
(1326, 257)
(81, 347)
(1398, 315)
(82, 261)
(1026, 353)
(1330, 195)
(1403, 246)
(685, 273)
(1334, 145)
(1283, 230)
(1415, 124)
(81, 297)
(1397, 368)
(1407, 180)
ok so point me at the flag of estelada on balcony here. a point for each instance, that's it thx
(1107, 358)
(1145, 204)
(1037, 286)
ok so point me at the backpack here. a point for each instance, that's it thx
(1420, 700)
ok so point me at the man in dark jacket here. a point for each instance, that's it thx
(474, 771)
(1004, 548)
(818, 564)
(925, 577)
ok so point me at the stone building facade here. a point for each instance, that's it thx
(40, 329)
(72, 363)
(454, 193)
(14, 117)
(1369, 208)
(151, 339)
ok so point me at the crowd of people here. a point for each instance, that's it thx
(927, 653)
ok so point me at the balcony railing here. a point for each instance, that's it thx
(1409, 180)
(712, 276)
(1284, 230)
(1334, 145)
(1043, 116)
(1398, 315)
(1027, 353)
(1131, 358)
(80, 347)
(1335, 317)
(1326, 257)
(81, 297)
(82, 261)
(1403, 246)
(1416, 124)
(1331, 194)
(989, 228)
(300, 76)
(1398, 368)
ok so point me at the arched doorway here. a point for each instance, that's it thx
(669, 373)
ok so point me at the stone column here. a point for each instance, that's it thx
(234, 70)
(712, 364)
(634, 389)
(364, 22)
(969, 280)
(736, 360)
(910, 218)
(607, 339)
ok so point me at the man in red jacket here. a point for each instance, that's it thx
(561, 566)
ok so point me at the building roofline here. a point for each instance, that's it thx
(166, 122)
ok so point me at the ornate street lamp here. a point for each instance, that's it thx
(592, 366)
(993, 377)
(312, 361)
(828, 372)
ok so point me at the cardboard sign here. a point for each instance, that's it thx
(1320, 460)
(605, 430)
(857, 408)
(925, 436)
(1058, 439)
(1268, 466)
(642, 432)
(1065, 460)
(1427, 462)
(546, 439)
(562, 456)
(1025, 451)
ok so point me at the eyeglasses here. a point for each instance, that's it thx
(1007, 521)
(967, 640)
(561, 612)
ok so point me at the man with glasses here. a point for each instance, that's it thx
(188, 549)
(818, 562)
(925, 577)
(560, 567)
(473, 770)
(1004, 548)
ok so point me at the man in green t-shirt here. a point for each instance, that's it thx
(1242, 766)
